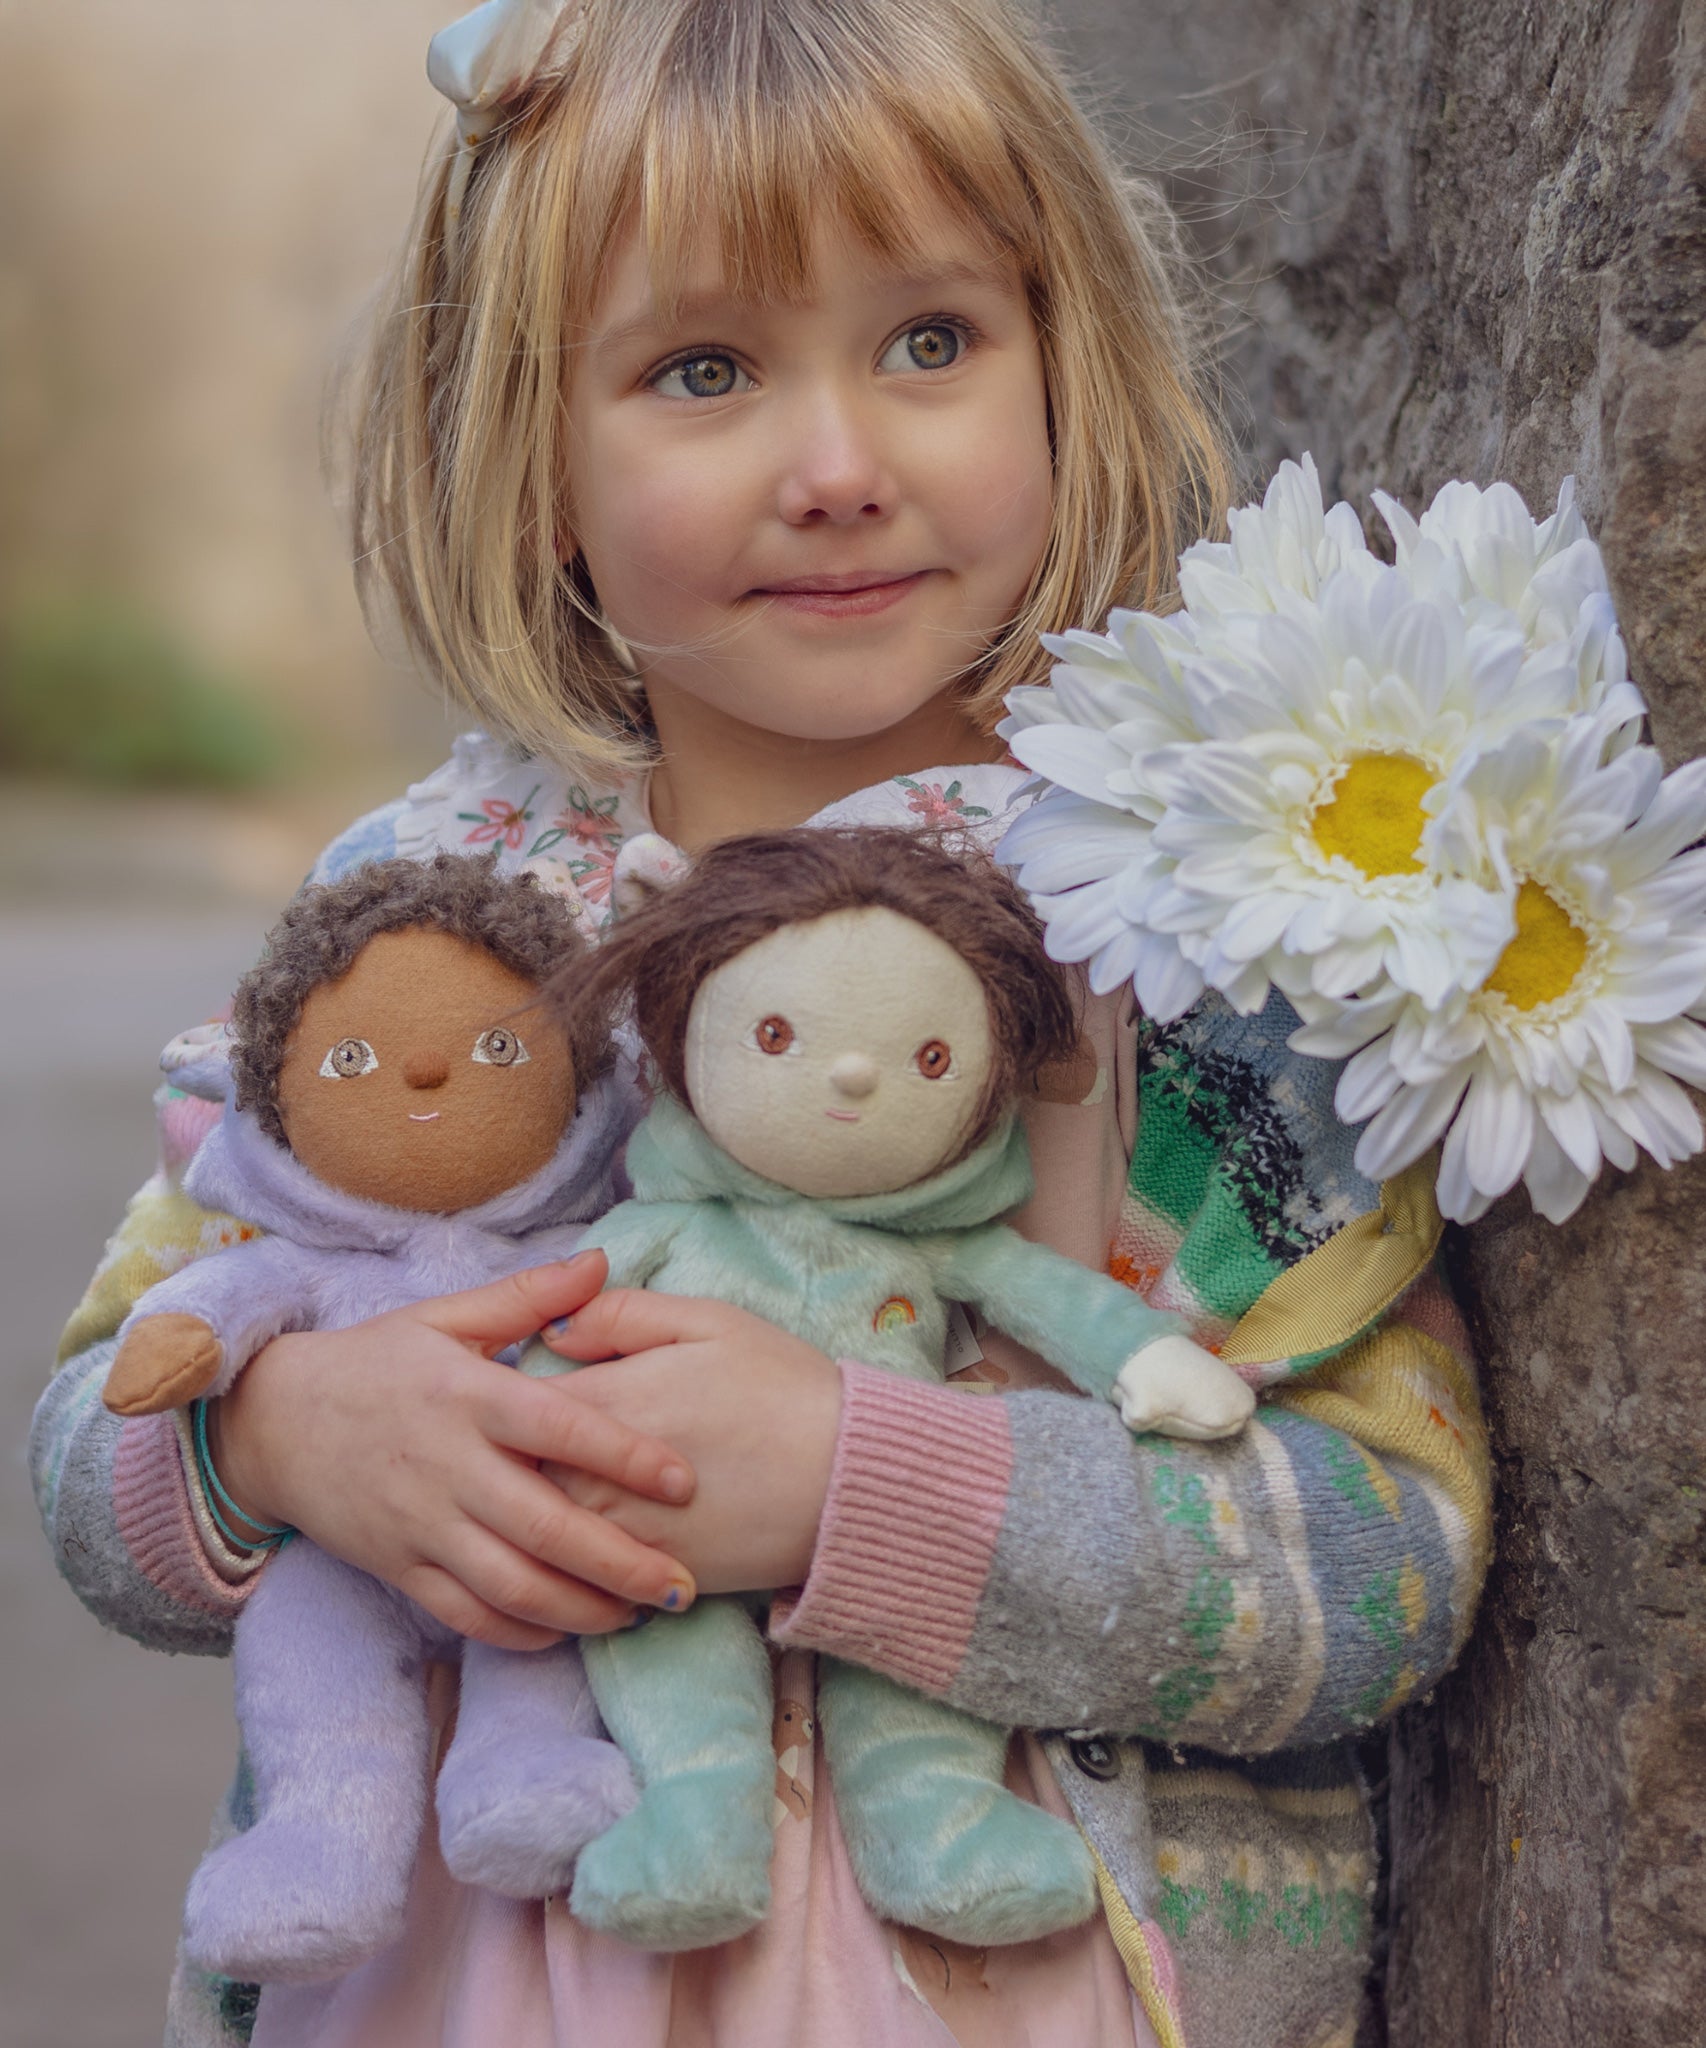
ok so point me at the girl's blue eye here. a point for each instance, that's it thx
(706, 376)
(931, 347)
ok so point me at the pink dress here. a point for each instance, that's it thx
(475, 1970)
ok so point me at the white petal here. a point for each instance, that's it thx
(1677, 1047)
(1459, 1198)
(1253, 926)
(1074, 759)
(1556, 1184)
(1499, 1120)
(1612, 1042)
(1570, 1122)
(1367, 1084)
(1344, 1030)
(1407, 1126)
(1165, 982)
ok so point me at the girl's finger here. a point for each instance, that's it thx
(548, 1529)
(624, 1320)
(545, 1419)
(520, 1589)
(449, 1601)
(507, 1311)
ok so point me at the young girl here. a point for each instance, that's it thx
(755, 390)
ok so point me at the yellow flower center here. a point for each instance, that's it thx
(1374, 818)
(1550, 949)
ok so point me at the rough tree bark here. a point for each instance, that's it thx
(1469, 239)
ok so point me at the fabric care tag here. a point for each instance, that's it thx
(962, 1349)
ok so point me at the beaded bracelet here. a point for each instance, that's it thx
(272, 1537)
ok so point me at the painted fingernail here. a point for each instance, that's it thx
(557, 1328)
(676, 1597)
(677, 1483)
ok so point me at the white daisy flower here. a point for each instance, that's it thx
(1564, 1056)
(1088, 852)
(1248, 806)
(1242, 792)
(1286, 546)
(1484, 548)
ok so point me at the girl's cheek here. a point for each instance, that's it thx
(663, 535)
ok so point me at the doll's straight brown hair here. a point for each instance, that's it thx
(746, 116)
(741, 890)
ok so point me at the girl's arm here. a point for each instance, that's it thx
(1029, 1559)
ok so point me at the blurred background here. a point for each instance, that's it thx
(196, 199)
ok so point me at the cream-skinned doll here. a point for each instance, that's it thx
(844, 1022)
(404, 1120)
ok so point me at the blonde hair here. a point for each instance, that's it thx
(747, 114)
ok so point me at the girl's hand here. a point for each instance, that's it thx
(754, 1410)
(398, 1446)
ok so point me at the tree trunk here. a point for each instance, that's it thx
(1468, 238)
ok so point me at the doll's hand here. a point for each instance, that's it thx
(754, 1410)
(1178, 1389)
(400, 1447)
(163, 1362)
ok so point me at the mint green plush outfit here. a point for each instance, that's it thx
(935, 1839)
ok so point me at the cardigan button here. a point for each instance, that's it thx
(1094, 1757)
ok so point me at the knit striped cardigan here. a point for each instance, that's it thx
(1207, 1623)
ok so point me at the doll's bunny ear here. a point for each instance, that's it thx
(553, 878)
(198, 1061)
(647, 865)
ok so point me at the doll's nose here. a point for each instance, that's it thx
(853, 1074)
(426, 1070)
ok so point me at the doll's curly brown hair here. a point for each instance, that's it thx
(741, 890)
(319, 937)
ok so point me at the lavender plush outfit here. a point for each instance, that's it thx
(330, 1663)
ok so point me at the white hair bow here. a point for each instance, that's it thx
(479, 62)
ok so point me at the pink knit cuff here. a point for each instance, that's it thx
(151, 1504)
(915, 1504)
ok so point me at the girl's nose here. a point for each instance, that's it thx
(426, 1070)
(837, 476)
(854, 1074)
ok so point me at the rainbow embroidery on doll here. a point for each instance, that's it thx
(895, 1314)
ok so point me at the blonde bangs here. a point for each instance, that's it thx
(754, 116)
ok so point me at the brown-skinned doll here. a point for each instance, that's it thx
(405, 1120)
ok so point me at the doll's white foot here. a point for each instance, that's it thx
(688, 1868)
(287, 1903)
(515, 1822)
(1178, 1389)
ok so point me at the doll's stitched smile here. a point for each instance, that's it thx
(843, 1116)
(430, 1116)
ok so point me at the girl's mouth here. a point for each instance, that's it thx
(854, 596)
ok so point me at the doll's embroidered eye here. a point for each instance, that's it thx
(500, 1048)
(774, 1034)
(349, 1057)
(933, 1059)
